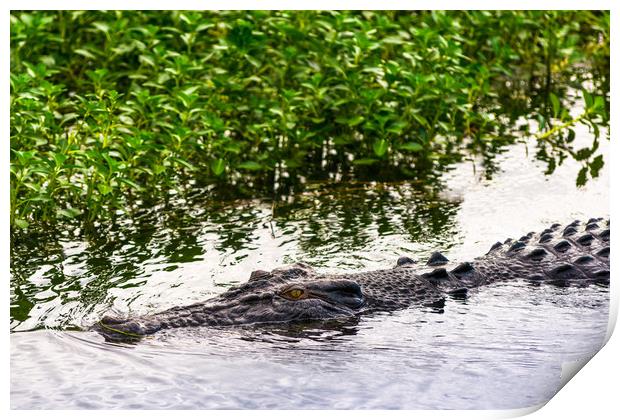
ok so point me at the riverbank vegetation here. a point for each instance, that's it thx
(112, 109)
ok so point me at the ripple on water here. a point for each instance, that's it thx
(408, 359)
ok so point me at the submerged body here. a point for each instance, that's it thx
(577, 254)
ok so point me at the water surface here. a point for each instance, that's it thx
(501, 348)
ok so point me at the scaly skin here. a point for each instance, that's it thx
(574, 255)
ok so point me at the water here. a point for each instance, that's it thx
(501, 348)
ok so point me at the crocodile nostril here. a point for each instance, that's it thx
(342, 286)
(350, 295)
(343, 292)
(350, 300)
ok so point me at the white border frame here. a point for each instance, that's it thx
(592, 394)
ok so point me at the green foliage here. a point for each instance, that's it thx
(111, 106)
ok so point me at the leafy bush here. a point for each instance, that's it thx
(107, 107)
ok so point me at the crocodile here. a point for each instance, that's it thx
(573, 255)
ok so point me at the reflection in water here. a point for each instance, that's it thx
(509, 340)
(124, 260)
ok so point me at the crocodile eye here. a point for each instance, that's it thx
(294, 294)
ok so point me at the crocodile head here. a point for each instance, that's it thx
(289, 294)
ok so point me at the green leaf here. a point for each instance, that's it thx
(218, 166)
(393, 40)
(364, 161)
(276, 111)
(233, 148)
(69, 213)
(40, 198)
(103, 27)
(352, 122)
(21, 223)
(130, 183)
(380, 147)
(104, 189)
(588, 99)
(582, 176)
(542, 122)
(420, 119)
(596, 166)
(599, 103)
(555, 103)
(147, 60)
(411, 147)
(250, 165)
(185, 163)
(253, 61)
(397, 127)
(85, 53)
(59, 158)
